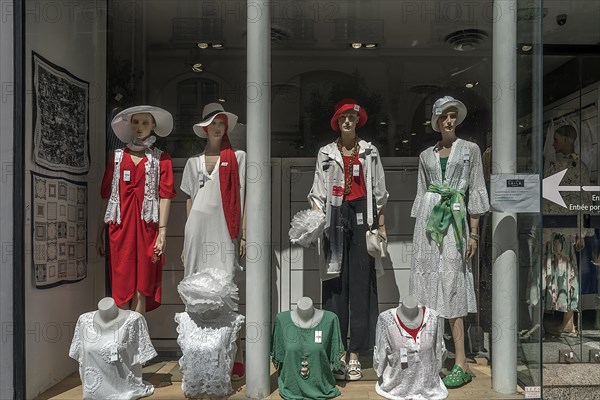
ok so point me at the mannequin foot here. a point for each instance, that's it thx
(457, 377)
(354, 368)
(238, 371)
(340, 374)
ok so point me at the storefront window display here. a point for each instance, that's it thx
(404, 74)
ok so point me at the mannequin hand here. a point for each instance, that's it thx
(100, 246)
(242, 248)
(471, 248)
(159, 245)
(579, 243)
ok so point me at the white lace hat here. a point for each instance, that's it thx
(121, 123)
(209, 112)
(441, 105)
(210, 289)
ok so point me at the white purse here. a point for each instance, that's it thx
(376, 244)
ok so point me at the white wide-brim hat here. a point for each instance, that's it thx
(209, 112)
(441, 105)
(121, 123)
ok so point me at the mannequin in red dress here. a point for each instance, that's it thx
(137, 203)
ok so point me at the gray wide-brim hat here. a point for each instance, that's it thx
(209, 112)
(121, 123)
(444, 103)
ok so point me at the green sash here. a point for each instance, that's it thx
(444, 214)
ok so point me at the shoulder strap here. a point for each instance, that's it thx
(369, 184)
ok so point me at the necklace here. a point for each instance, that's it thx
(348, 173)
(304, 368)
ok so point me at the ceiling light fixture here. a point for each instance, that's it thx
(383, 123)
(197, 67)
(202, 45)
(469, 85)
(356, 45)
(217, 45)
(371, 45)
(413, 134)
(221, 100)
(405, 141)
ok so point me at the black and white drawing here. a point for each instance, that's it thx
(59, 237)
(60, 118)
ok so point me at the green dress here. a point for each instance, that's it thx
(321, 347)
(444, 163)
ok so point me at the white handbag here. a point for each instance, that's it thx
(376, 244)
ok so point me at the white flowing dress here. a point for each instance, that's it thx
(441, 277)
(208, 347)
(419, 377)
(207, 243)
(110, 362)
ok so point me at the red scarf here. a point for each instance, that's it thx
(229, 177)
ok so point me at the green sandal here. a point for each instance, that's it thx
(457, 378)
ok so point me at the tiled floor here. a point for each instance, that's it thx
(166, 378)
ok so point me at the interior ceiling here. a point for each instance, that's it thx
(412, 33)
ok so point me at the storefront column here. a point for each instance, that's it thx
(504, 233)
(258, 198)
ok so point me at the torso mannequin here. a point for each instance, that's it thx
(109, 316)
(410, 313)
(305, 315)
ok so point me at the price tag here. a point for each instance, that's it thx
(456, 207)
(318, 336)
(127, 175)
(224, 164)
(355, 170)
(417, 356)
(403, 358)
(114, 353)
(359, 219)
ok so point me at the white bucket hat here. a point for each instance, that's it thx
(209, 112)
(121, 123)
(444, 103)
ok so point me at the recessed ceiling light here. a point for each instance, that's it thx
(426, 123)
(221, 100)
(371, 45)
(397, 148)
(469, 85)
(405, 141)
(202, 45)
(356, 45)
(383, 123)
(217, 45)
(526, 48)
(521, 125)
(197, 67)
(413, 134)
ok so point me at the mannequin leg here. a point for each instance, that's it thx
(138, 303)
(457, 328)
(567, 324)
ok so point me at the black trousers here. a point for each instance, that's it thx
(353, 295)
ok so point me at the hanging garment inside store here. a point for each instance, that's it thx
(304, 357)
(408, 361)
(110, 360)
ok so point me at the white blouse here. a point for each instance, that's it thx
(409, 368)
(110, 361)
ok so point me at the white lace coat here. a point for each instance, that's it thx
(420, 378)
(110, 362)
(441, 277)
(208, 347)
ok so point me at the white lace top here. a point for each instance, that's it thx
(208, 347)
(110, 362)
(418, 377)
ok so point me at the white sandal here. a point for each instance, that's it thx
(354, 371)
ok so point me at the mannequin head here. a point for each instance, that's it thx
(447, 121)
(564, 140)
(142, 125)
(348, 121)
(218, 127)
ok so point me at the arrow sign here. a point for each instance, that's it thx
(551, 188)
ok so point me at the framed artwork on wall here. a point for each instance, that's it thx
(59, 230)
(60, 110)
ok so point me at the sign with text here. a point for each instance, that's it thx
(517, 193)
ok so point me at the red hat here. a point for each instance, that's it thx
(348, 105)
